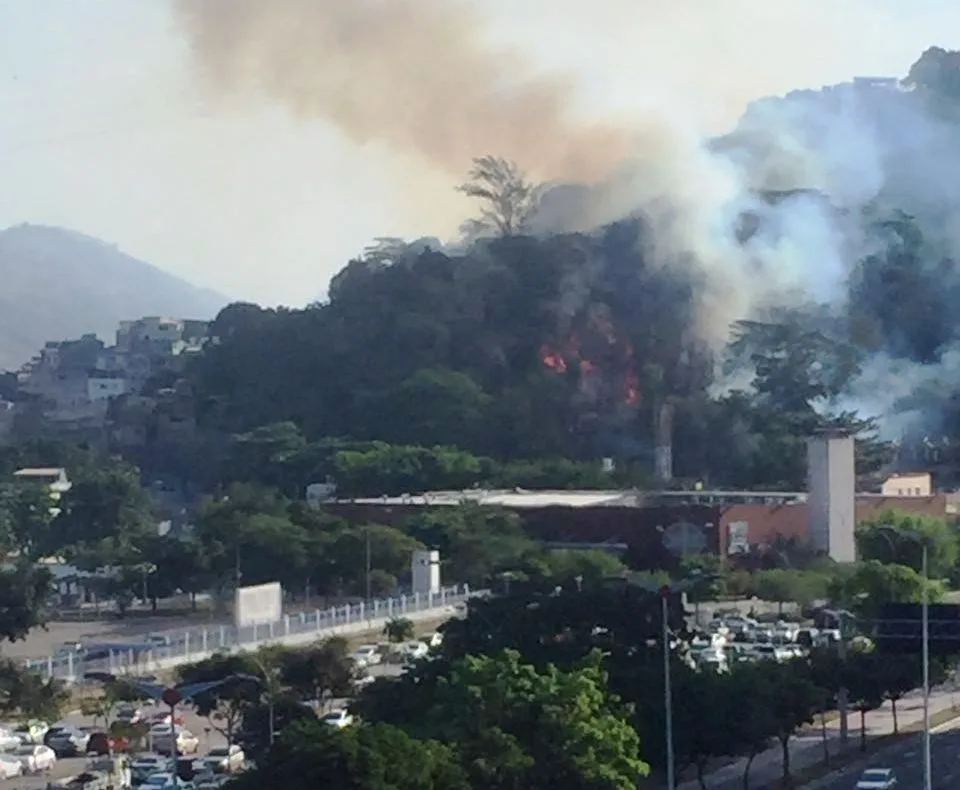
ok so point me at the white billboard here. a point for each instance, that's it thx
(262, 603)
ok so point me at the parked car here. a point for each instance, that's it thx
(214, 782)
(10, 767)
(157, 641)
(414, 651)
(9, 740)
(129, 714)
(338, 718)
(146, 765)
(102, 743)
(877, 779)
(36, 758)
(162, 737)
(66, 740)
(31, 732)
(366, 656)
(226, 760)
(166, 781)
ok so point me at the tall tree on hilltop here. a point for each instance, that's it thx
(508, 199)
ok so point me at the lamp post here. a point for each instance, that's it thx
(667, 690)
(924, 637)
(170, 696)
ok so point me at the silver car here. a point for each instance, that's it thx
(877, 779)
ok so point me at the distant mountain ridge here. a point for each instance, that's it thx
(57, 284)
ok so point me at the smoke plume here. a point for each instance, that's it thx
(780, 211)
(413, 74)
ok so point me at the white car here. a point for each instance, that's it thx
(367, 655)
(338, 718)
(9, 740)
(35, 758)
(877, 779)
(161, 740)
(414, 651)
(226, 759)
(10, 767)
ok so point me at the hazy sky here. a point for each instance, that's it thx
(104, 130)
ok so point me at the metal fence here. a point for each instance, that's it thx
(193, 644)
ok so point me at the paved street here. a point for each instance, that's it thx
(42, 642)
(807, 750)
(907, 761)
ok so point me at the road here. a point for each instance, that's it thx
(907, 760)
(42, 642)
(807, 750)
(198, 725)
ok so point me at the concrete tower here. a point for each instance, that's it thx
(831, 502)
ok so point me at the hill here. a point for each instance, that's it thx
(59, 284)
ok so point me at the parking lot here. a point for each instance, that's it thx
(201, 727)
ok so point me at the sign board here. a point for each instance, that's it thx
(257, 605)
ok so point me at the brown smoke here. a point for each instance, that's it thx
(410, 74)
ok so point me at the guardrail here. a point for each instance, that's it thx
(195, 644)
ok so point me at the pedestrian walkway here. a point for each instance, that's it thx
(807, 750)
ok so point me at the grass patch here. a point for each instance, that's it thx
(874, 746)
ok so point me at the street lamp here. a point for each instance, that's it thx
(170, 696)
(887, 531)
(667, 690)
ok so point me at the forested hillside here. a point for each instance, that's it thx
(522, 343)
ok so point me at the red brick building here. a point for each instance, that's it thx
(653, 528)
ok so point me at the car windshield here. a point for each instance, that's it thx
(875, 776)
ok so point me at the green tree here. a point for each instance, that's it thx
(477, 543)
(585, 565)
(263, 722)
(516, 725)
(507, 199)
(363, 757)
(897, 537)
(347, 553)
(322, 670)
(866, 684)
(251, 530)
(784, 585)
(24, 591)
(224, 706)
(900, 675)
(104, 515)
(429, 407)
(27, 514)
(790, 700)
(873, 583)
(399, 629)
(26, 693)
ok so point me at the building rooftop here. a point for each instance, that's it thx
(514, 498)
(40, 472)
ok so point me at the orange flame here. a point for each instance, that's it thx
(553, 360)
(560, 361)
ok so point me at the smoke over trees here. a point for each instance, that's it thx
(810, 286)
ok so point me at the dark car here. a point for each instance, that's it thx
(67, 741)
(101, 744)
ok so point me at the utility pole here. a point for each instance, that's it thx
(927, 768)
(667, 690)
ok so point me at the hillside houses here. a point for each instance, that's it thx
(85, 388)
